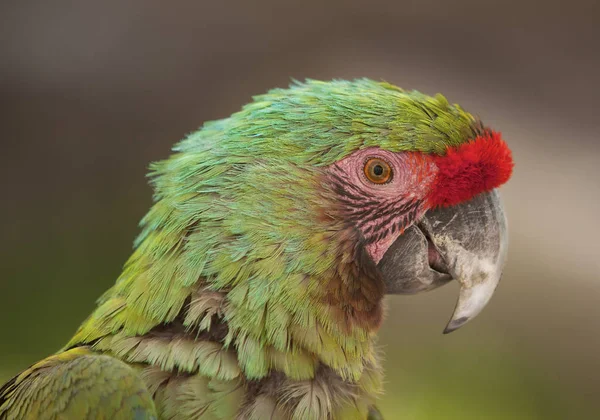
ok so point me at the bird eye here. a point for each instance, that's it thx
(378, 171)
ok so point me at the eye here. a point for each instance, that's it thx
(378, 171)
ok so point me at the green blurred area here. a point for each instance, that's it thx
(90, 94)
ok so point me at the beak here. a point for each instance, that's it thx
(467, 242)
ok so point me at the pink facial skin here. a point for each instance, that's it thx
(381, 212)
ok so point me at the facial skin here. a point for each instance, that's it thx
(382, 211)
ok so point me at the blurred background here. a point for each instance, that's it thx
(91, 92)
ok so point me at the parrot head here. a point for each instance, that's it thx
(398, 186)
(277, 231)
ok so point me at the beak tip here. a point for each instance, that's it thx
(455, 324)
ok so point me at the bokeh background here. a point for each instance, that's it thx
(91, 92)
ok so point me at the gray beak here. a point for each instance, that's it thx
(467, 242)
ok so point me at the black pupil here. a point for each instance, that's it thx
(378, 170)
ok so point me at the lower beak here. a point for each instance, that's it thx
(467, 242)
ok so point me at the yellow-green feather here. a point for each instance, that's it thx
(77, 384)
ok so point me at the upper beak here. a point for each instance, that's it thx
(467, 242)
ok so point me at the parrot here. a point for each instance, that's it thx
(256, 285)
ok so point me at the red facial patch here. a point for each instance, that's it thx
(472, 168)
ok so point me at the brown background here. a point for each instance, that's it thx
(91, 93)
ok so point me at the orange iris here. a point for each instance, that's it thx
(378, 171)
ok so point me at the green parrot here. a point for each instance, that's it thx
(255, 288)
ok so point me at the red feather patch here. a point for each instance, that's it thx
(472, 168)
